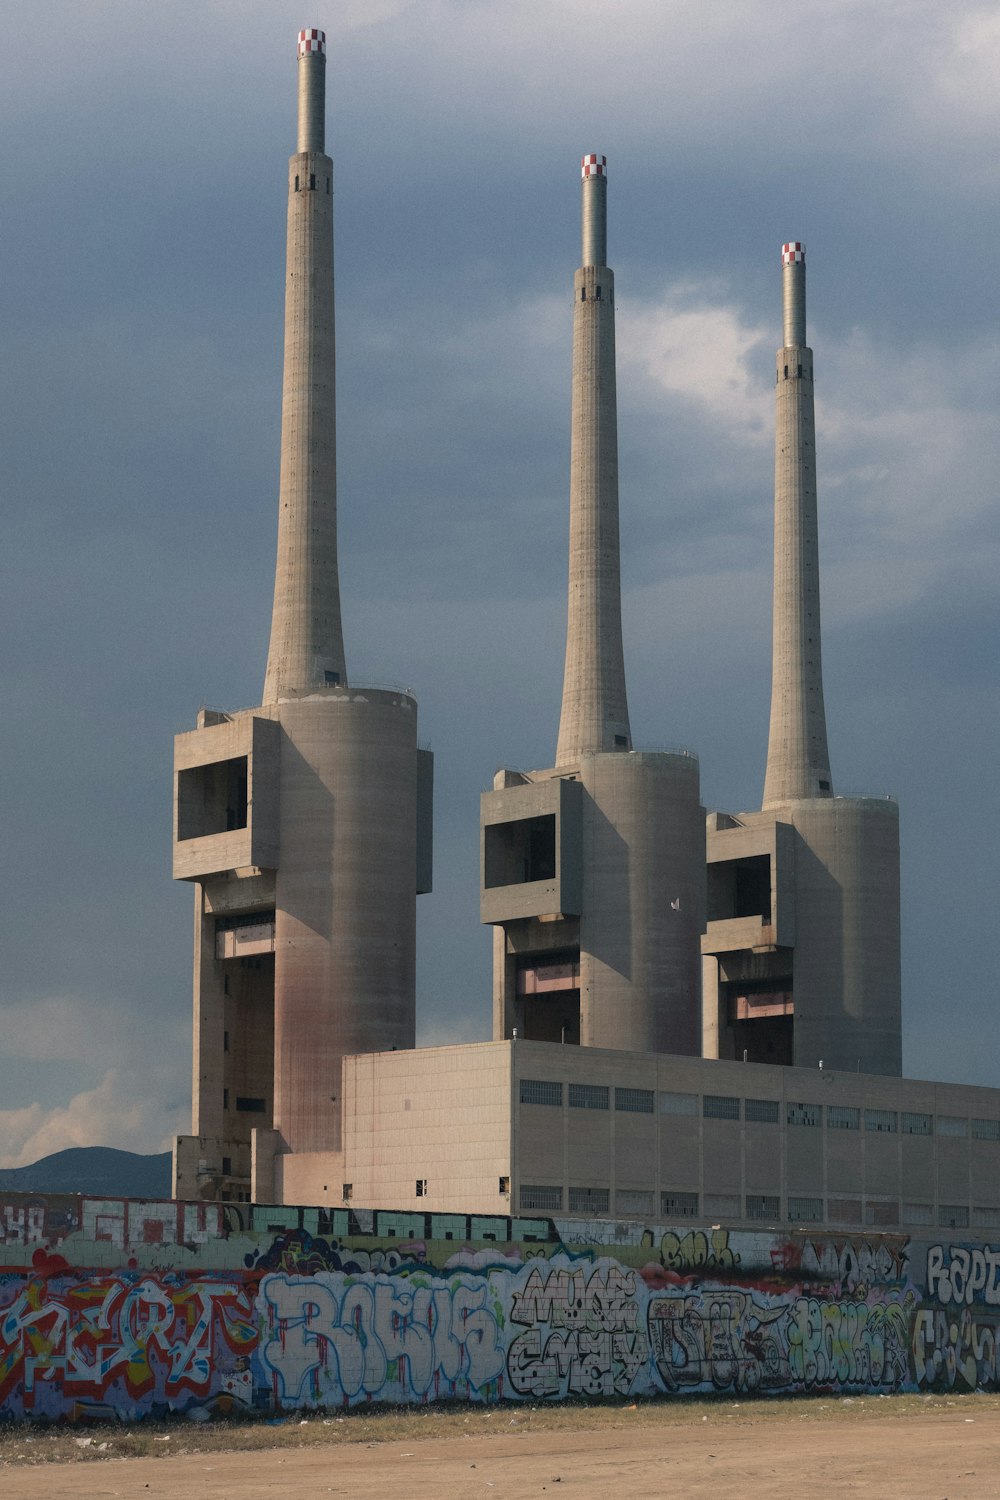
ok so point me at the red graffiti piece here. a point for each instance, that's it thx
(47, 1264)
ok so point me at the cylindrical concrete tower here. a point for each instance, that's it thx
(798, 760)
(593, 872)
(594, 704)
(305, 822)
(307, 642)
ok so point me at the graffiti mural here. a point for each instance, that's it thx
(119, 1309)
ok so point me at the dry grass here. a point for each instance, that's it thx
(30, 1444)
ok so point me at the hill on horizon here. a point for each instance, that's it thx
(100, 1171)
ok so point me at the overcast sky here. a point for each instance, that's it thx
(143, 180)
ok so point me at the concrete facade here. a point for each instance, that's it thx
(304, 824)
(522, 1127)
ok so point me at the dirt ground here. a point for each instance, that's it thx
(796, 1453)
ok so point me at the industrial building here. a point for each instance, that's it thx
(691, 1018)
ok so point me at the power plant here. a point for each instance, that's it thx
(693, 1017)
(685, 1163)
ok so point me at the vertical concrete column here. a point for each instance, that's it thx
(307, 645)
(798, 759)
(594, 706)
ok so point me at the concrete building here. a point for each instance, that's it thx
(528, 1127)
(802, 950)
(593, 871)
(304, 824)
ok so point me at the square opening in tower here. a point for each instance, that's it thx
(212, 798)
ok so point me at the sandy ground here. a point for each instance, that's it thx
(932, 1456)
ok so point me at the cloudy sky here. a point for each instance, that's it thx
(143, 184)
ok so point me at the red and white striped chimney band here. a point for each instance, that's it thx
(794, 253)
(594, 165)
(311, 40)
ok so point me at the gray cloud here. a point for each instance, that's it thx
(144, 194)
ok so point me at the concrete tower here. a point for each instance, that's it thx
(802, 952)
(593, 871)
(307, 641)
(798, 761)
(594, 705)
(305, 823)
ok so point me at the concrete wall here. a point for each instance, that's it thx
(831, 935)
(341, 788)
(625, 900)
(111, 1309)
(745, 1143)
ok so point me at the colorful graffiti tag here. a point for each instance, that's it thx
(131, 1309)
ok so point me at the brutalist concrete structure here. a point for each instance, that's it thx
(304, 824)
(802, 952)
(593, 871)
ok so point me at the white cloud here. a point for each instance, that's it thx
(121, 1111)
(704, 354)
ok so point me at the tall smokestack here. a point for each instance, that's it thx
(594, 705)
(307, 643)
(798, 760)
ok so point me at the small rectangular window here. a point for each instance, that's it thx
(588, 1200)
(953, 1216)
(225, 1098)
(881, 1120)
(918, 1213)
(843, 1210)
(634, 1101)
(504, 1188)
(678, 1104)
(634, 1201)
(621, 743)
(722, 1206)
(227, 1166)
(583, 294)
(597, 294)
(537, 1091)
(332, 679)
(804, 1114)
(842, 1117)
(986, 1218)
(225, 1041)
(250, 1105)
(880, 1215)
(312, 182)
(805, 1210)
(955, 1125)
(763, 1206)
(761, 1111)
(546, 1200)
(986, 1130)
(914, 1122)
(348, 1192)
(588, 1096)
(679, 1205)
(421, 1187)
(720, 1107)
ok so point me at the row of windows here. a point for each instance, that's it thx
(762, 1206)
(587, 1096)
(758, 1111)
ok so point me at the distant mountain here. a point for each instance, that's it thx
(98, 1170)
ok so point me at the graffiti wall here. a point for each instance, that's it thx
(124, 1309)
